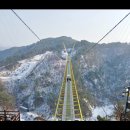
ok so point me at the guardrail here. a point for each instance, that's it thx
(9, 115)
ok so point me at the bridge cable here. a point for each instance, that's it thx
(104, 37)
(25, 24)
(108, 32)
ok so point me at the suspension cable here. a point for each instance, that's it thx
(108, 32)
(25, 24)
(102, 39)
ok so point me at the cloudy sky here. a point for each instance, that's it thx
(88, 25)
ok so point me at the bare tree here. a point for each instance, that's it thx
(118, 109)
(6, 100)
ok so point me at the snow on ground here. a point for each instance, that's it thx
(27, 116)
(4, 78)
(51, 118)
(89, 105)
(102, 111)
(4, 73)
(25, 68)
(64, 54)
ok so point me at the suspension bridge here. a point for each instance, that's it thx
(68, 104)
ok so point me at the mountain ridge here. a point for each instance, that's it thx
(99, 74)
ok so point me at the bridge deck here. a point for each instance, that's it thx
(68, 106)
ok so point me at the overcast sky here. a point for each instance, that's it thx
(88, 25)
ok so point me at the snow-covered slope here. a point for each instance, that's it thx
(25, 67)
(64, 54)
(36, 83)
(28, 116)
(101, 76)
(102, 111)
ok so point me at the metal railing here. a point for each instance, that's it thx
(9, 115)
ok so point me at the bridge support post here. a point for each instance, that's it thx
(5, 118)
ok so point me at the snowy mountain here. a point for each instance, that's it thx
(102, 74)
(36, 75)
(36, 82)
(14, 54)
